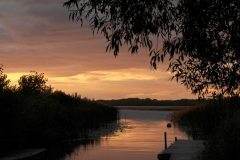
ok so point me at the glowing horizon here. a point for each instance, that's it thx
(37, 35)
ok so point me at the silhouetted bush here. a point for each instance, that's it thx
(33, 116)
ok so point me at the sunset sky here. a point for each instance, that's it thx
(37, 35)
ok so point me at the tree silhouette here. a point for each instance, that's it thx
(34, 83)
(4, 82)
(201, 38)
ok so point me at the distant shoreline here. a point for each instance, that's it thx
(152, 108)
(149, 102)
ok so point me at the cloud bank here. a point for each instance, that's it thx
(37, 35)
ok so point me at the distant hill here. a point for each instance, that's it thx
(149, 102)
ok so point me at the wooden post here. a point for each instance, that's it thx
(165, 139)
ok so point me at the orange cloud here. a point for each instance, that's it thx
(37, 35)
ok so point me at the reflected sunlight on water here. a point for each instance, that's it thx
(141, 137)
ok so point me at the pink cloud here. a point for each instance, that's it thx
(37, 35)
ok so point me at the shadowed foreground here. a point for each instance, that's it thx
(183, 150)
(32, 115)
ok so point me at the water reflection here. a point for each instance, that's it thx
(140, 135)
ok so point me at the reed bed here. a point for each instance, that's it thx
(219, 121)
(34, 116)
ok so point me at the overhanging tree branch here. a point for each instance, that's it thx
(202, 38)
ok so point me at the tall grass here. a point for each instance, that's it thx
(41, 119)
(220, 123)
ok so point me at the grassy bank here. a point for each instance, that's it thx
(32, 115)
(220, 123)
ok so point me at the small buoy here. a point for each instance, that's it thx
(169, 125)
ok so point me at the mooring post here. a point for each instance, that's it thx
(165, 139)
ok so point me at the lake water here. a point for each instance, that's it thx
(138, 135)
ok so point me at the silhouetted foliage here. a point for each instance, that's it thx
(35, 116)
(220, 124)
(201, 38)
(34, 83)
(148, 102)
(4, 82)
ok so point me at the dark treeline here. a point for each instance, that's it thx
(32, 115)
(148, 102)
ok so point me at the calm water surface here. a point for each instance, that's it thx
(140, 137)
